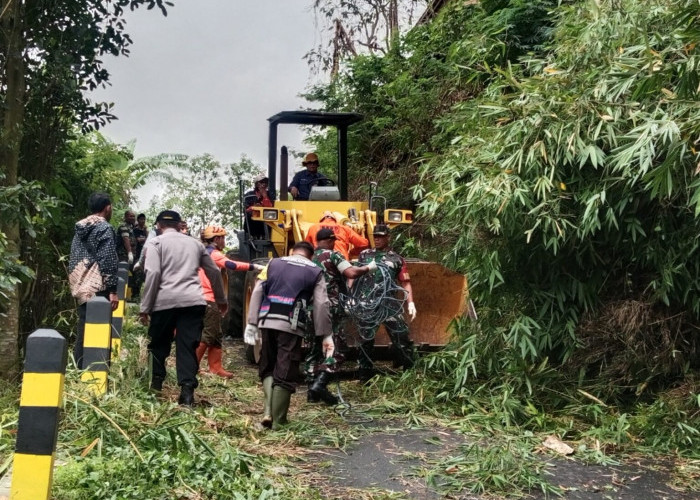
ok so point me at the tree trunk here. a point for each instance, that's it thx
(13, 75)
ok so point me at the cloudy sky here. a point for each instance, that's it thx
(205, 78)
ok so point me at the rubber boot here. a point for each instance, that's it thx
(319, 389)
(310, 396)
(267, 404)
(186, 396)
(215, 362)
(201, 349)
(280, 406)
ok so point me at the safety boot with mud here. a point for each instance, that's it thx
(318, 390)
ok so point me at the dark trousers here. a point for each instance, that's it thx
(401, 344)
(188, 322)
(280, 357)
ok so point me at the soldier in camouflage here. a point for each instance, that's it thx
(335, 270)
(396, 325)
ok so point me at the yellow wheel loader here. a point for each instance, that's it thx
(440, 294)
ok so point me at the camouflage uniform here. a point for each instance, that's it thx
(395, 325)
(125, 230)
(333, 264)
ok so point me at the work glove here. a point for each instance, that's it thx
(412, 310)
(131, 258)
(257, 267)
(137, 266)
(328, 346)
(251, 334)
(372, 266)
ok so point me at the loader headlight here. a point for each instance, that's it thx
(270, 214)
(394, 217)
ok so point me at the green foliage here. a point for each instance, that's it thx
(206, 191)
(26, 204)
(90, 163)
(508, 467)
(572, 175)
(553, 152)
(404, 94)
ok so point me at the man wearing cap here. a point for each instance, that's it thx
(172, 298)
(335, 268)
(92, 266)
(260, 195)
(344, 235)
(300, 187)
(277, 314)
(395, 326)
(214, 239)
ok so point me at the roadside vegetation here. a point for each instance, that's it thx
(551, 150)
(135, 444)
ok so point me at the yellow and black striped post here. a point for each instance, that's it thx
(118, 318)
(97, 344)
(125, 272)
(39, 409)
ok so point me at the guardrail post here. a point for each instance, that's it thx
(97, 344)
(125, 272)
(118, 318)
(39, 409)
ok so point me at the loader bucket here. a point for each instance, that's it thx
(440, 295)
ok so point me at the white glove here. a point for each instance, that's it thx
(372, 266)
(412, 310)
(137, 266)
(328, 346)
(257, 267)
(251, 334)
(131, 258)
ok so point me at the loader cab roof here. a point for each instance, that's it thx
(323, 118)
(315, 118)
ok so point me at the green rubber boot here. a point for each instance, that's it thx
(267, 405)
(280, 406)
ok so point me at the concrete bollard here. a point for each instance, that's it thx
(39, 409)
(125, 273)
(118, 319)
(97, 344)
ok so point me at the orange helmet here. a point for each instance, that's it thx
(328, 215)
(210, 232)
(309, 157)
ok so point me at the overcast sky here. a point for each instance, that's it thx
(205, 78)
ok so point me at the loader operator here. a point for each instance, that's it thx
(300, 187)
(278, 307)
(335, 268)
(395, 326)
